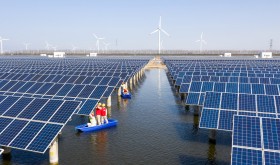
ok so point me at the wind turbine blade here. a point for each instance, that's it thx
(95, 35)
(165, 32)
(159, 24)
(101, 38)
(154, 31)
(201, 35)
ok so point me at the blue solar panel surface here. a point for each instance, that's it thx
(256, 135)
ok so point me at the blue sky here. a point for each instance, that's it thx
(227, 24)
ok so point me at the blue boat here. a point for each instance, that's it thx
(85, 128)
(126, 96)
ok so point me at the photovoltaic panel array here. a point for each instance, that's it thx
(256, 140)
(196, 90)
(219, 108)
(32, 123)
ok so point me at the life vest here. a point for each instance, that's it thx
(103, 111)
(98, 111)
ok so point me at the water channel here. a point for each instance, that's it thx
(155, 127)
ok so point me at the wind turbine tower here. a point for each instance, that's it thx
(48, 45)
(26, 45)
(202, 41)
(1, 44)
(97, 41)
(159, 30)
(106, 45)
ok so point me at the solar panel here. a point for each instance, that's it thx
(245, 88)
(44, 88)
(7, 103)
(87, 107)
(195, 86)
(32, 108)
(25, 87)
(219, 87)
(209, 118)
(75, 90)
(4, 122)
(229, 101)
(26, 135)
(247, 131)
(212, 100)
(65, 111)
(184, 88)
(96, 80)
(105, 81)
(266, 104)
(114, 81)
(98, 92)
(256, 139)
(80, 79)
(48, 110)
(225, 120)
(17, 86)
(243, 156)
(258, 89)
(247, 102)
(16, 108)
(11, 131)
(44, 138)
(193, 99)
(53, 90)
(87, 90)
(207, 86)
(64, 90)
(108, 92)
(232, 87)
(8, 85)
(271, 90)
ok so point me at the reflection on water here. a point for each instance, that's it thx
(211, 153)
(154, 128)
(195, 124)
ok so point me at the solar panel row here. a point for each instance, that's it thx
(256, 140)
(219, 108)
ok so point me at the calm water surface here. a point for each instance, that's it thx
(154, 128)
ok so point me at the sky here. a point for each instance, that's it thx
(126, 24)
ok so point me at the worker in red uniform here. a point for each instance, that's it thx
(98, 113)
(104, 114)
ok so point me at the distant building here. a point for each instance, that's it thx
(92, 54)
(266, 54)
(227, 55)
(58, 54)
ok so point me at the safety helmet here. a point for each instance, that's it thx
(99, 104)
(103, 105)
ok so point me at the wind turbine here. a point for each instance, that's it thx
(159, 29)
(1, 44)
(97, 41)
(74, 47)
(26, 45)
(106, 45)
(47, 45)
(202, 41)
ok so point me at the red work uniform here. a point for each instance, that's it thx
(104, 115)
